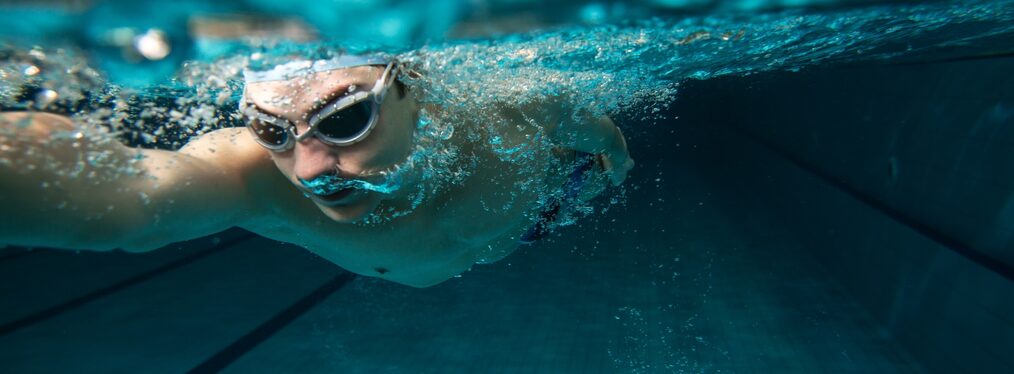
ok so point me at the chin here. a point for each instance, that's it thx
(353, 212)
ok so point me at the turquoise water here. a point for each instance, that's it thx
(650, 278)
(634, 65)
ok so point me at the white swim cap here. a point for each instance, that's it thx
(300, 68)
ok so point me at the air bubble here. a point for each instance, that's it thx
(45, 97)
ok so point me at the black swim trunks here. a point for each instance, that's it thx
(559, 204)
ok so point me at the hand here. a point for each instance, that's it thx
(617, 162)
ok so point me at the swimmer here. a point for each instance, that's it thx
(323, 151)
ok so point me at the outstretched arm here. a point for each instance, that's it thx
(60, 187)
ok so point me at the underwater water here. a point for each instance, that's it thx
(761, 230)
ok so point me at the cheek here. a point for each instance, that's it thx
(399, 132)
(386, 145)
(284, 164)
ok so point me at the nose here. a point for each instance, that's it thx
(313, 158)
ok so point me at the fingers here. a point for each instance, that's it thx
(620, 160)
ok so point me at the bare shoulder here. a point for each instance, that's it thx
(38, 124)
(230, 148)
(34, 116)
(234, 151)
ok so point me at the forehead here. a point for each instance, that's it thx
(303, 93)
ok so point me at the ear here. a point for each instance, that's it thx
(401, 88)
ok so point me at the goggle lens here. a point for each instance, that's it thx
(348, 123)
(271, 135)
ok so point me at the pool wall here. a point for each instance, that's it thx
(899, 179)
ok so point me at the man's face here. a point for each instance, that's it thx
(388, 144)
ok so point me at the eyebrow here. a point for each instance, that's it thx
(318, 104)
(262, 112)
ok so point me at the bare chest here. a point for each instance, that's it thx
(478, 220)
(432, 243)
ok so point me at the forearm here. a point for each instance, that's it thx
(64, 188)
(45, 212)
(53, 183)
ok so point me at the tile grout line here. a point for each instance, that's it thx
(109, 290)
(954, 245)
(17, 254)
(258, 335)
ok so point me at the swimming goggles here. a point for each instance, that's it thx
(343, 122)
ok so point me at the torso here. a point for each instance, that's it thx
(477, 221)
